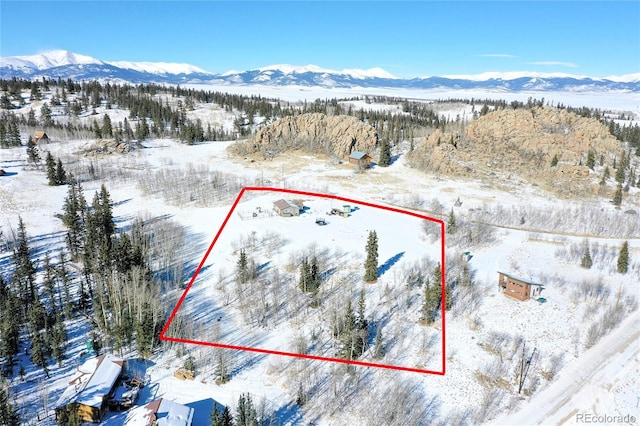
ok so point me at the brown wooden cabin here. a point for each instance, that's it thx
(40, 137)
(361, 159)
(518, 288)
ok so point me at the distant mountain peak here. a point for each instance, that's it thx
(65, 64)
(354, 72)
(49, 59)
(513, 75)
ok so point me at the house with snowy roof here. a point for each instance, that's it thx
(519, 288)
(287, 208)
(161, 412)
(361, 159)
(88, 392)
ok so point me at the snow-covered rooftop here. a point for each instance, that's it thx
(93, 380)
(358, 155)
(161, 412)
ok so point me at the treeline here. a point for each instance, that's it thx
(152, 115)
(117, 285)
(103, 274)
(41, 312)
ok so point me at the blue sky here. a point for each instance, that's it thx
(405, 38)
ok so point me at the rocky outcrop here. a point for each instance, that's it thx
(108, 147)
(523, 142)
(337, 135)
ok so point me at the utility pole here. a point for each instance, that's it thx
(524, 366)
(521, 367)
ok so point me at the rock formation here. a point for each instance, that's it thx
(317, 133)
(523, 142)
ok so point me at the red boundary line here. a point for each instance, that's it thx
(314, 357)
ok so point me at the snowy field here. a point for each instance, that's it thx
(485, 332)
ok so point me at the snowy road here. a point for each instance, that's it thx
(605, 381)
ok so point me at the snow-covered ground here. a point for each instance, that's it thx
(483, 339)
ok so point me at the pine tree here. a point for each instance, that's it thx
(59, 339)
(554, 160)
(226, 419)
(190, 364)
(39, 351)
(51, 169)
(430, 303)
(61, 175)
(242, 268)
(361, 321)
(617, 196)
(32, 152)
(314, 274)
(25, 271)
(385, 153)
(309, 275)
(371, 263)
(305, 275)
(586, 261)
(620, 175)
(107, 129)
(8, 411)
(9, 323)
(5, 102)
(36, 95)
(102, 225)
(142, 130)
(31, 118)
(246, 414)
(623, 258)
(215, 418)
(448, 297)
(591, 159)
(451, 223)
(301, 397)
(12, 135)
(145, 331)
(74, 210)
(49, 281)
(45, 115)
(127, 131)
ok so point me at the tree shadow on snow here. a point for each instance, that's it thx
(289, 414)
(389, 263)
(202, 410)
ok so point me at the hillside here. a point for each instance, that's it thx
(520, 144)
(180, 194)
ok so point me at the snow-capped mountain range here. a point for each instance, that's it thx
(64, 64)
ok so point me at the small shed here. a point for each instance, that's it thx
(161, 412)
(518, 288)
(40, 137)
(361, 159)
(88, 392)
(286, 208)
